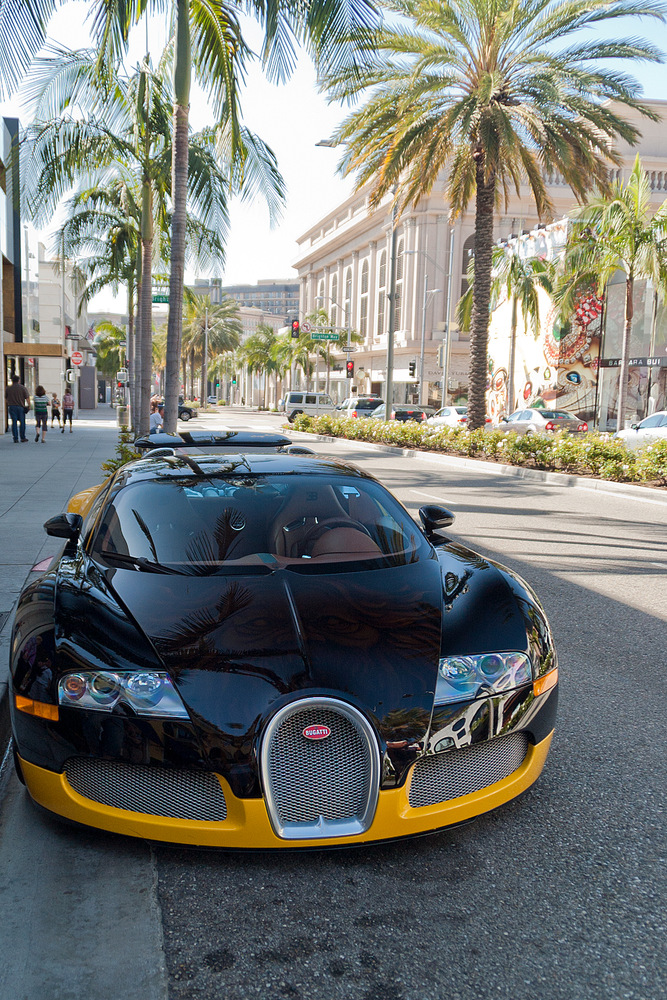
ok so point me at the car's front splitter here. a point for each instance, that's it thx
(247, 824)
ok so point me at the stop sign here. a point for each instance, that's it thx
(76, 357)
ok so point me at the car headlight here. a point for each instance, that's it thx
(148, 692)
(464, 678)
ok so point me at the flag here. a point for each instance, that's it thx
(91, 333)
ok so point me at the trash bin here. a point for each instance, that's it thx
(123, 415)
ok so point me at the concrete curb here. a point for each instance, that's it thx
(631, 490)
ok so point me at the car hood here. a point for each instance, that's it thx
(238, 647)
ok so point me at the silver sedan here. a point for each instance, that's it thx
(653, 428)
(534, 421)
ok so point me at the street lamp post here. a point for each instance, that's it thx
(348, 324)
(389, 384)
(204, 388)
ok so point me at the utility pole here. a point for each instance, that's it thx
(392, 320)
(445, 366)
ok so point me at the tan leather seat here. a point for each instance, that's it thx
(344, 542)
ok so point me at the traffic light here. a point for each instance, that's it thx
(412, 368)
(295, 328)
(349, 369)
(233, 379)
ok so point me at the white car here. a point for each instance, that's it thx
(653, 428)
(449, 416)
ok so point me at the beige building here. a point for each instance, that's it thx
(344, 266)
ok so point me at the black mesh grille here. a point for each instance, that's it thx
(313, 778)
(154, 790)
(453, 773)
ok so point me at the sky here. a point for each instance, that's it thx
(291, 118)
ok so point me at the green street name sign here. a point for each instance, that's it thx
(160, 298)
(326, 335)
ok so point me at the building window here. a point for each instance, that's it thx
(333, 315)
(348, 298)
(398, 314)
(382, 291)
(363, 301)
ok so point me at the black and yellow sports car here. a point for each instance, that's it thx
(258, 649)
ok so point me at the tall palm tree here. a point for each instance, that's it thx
(491, 92)
(517, 280)
(616, 233)
(210, 329)
(258, 353)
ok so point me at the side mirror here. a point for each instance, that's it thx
(504, 420)
(634, 426)
(64, 526)
(434, 517)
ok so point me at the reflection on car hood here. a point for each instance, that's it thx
(237, 645)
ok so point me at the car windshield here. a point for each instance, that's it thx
(205, 525)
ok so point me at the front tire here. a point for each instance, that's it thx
(293, 415)
(185, 415)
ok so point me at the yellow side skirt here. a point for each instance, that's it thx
(247, 824)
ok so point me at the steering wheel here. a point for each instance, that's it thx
(317, 530)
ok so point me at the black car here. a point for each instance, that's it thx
(255, 649)
(401, 412)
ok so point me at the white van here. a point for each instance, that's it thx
(314, 404)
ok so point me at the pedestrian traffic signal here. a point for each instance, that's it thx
(295, 328)
(412, 368)
(349, 369)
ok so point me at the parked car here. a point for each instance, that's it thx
(449, 416)
(400, 411)
(360, 406)
(184, 412)
(212, 400)
(267, 651)
(536, 421)
(653, 428)
(313, 404)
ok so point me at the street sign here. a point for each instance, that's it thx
(325, 335)
(306, 327)
(121, 376)
(160, 298)
(76, 358)
(348, 347)
(71, 336)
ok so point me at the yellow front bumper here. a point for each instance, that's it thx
(247, 824)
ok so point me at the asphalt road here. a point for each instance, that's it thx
(558, 895)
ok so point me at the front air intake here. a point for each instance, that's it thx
(316, 785)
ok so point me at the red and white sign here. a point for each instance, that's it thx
(76, 358)
(316, 732)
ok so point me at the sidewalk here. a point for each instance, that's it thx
(36, 481)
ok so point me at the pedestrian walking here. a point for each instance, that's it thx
(68, 410)
(18, 404)
(55, 409)
(40, 404)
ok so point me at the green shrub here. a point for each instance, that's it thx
(590, 454)
(125, 452)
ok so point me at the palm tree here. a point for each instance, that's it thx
(138, 153)
(517, 280)
(110, 354)
(485, 90)
(210, 329)
(258, 353)
(619, 233)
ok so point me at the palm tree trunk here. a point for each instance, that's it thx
(142, 419)
(512, 359)
(625, 352)
(179, 194)
(479, 337)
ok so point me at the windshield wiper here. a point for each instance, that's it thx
(148, 565)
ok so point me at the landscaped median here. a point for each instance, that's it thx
(597, 455)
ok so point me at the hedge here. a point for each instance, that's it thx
(597, 455)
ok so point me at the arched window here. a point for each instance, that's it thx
(333, 314)
(347, 303)
(382, 291)
(398, 313)
(320, 304)
(363, 301)
(466, 257)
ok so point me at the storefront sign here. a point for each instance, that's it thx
(650, 362)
